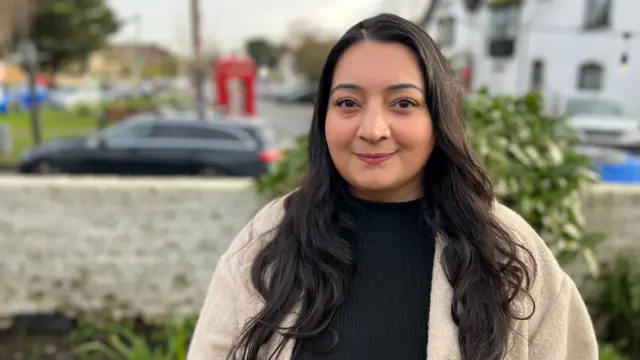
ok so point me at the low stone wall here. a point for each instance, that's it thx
(148, 247)
(128, 246)
(615, 211)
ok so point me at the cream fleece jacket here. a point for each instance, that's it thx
(560, 328)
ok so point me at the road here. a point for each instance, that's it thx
(289, 121)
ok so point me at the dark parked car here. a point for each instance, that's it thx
(155, 144)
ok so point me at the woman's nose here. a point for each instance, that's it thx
(373, 127)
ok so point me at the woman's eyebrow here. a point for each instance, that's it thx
(390, 88)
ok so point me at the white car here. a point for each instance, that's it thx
(602, 122)
(68, 98)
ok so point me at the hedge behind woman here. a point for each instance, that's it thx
(393, 247)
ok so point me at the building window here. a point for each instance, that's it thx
(472, 5)
(537, 75)
(590, 76)
(504, 22)
(445, 4)
(446, 31)
(503, 30)
(597, 14)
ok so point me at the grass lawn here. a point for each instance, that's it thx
(53, 123)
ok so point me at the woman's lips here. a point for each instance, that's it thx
(374, 159)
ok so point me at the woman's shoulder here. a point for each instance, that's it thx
(549, 280)
(256, 233)
(529, 239)
(559, 320)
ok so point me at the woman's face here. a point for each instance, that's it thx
(378, 127)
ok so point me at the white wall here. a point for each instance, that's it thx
(463, 38)
(126, 247)
(552, 31)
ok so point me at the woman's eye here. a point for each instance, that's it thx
(405, 104)
(347, 103)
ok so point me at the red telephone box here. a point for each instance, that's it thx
(235, 85)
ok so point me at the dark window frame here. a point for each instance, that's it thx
(446, 31)
(597, 14)
(504, 22)
(538, 72)
(584, 83)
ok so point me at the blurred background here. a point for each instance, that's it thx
(137, 137)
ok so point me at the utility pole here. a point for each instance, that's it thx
(29, 57)
(198, 72)
(137, 53)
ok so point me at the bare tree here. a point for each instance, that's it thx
(9, 24)
(309, 46)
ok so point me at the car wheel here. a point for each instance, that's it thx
(45, 168)
(210, 171)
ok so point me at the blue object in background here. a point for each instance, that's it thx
(627, 171)
(25, 100)
(5, 101)
(613, 165)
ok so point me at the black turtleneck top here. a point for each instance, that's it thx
(385, 314)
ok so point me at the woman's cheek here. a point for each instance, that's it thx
(340, 133)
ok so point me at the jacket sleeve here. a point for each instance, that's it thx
(560, 327)
(218, 324)
(565, 332)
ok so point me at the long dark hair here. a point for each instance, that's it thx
(307, 265)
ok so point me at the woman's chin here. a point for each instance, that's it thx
(374, 184)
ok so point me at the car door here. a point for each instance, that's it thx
(166, 152)
(118, 149)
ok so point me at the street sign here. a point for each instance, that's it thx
(28, 51)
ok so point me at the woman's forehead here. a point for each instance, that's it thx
(378, 65)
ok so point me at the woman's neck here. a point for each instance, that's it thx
(388, 195)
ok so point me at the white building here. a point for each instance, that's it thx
(559, 47)
(409, 9)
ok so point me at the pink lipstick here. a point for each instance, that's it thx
(374, 159)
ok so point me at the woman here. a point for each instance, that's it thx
(392, 247)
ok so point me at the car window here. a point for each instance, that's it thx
(191, 132)
(207, 133)
(265, 135)
(594, 107)
(127, 131)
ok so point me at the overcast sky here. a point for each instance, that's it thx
(229, 22)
